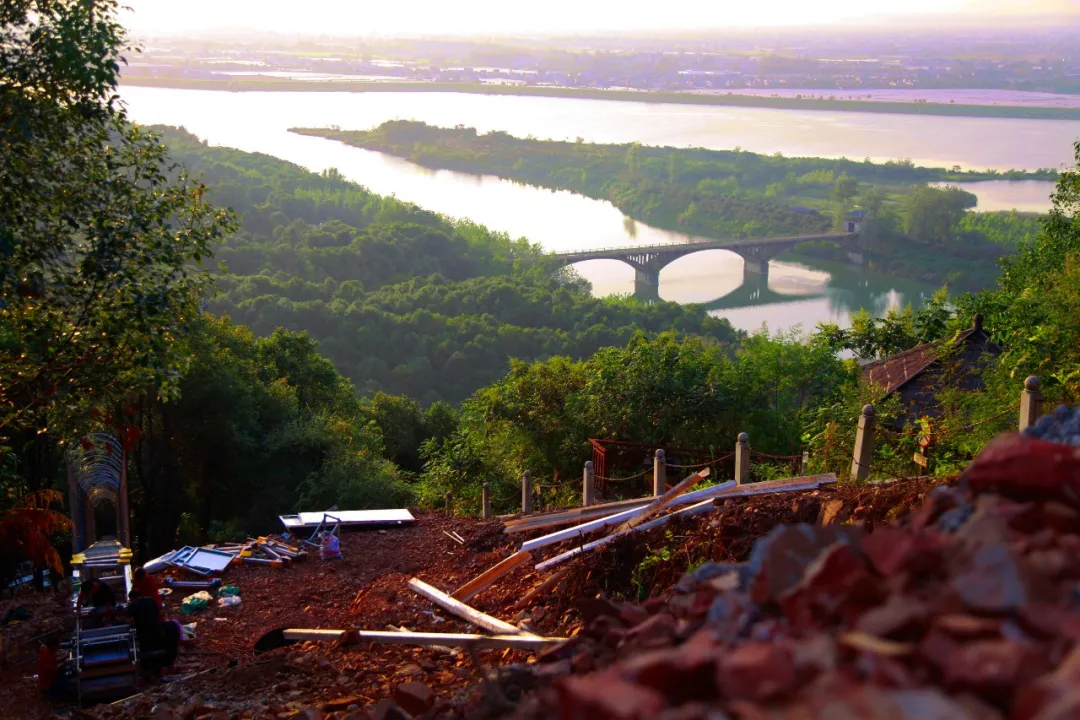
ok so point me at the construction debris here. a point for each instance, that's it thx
(967, 609)
(308, 520)
(463, 611)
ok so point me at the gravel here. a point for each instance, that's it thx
(1061, 426)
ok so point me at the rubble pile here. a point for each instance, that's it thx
(969, 609)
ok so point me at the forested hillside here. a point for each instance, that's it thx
(401, 299)
(912, 229)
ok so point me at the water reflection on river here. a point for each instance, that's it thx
(794, 293)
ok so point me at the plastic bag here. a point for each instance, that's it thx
(229, 601)
(195, 603)
(228, 591)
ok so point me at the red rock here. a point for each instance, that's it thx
(900, 617)
(657, 630)
(343, 703)
(600, 626)
(1027, 469)
(993, 667)
(388, 710)
(1043, 693)
(779, 560)
(414, 697)
(1050, 621)
(888, 549)
(681, 674)
(592, 608)
(992, 581)
(757, 671)
(605, 696)
(831, 583)
(632, 615)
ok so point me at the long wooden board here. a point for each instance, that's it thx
(519, 642)
(463, 611)
(487, 578)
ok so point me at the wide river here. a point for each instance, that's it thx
(794, 294)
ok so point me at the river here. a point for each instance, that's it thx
(796, 293)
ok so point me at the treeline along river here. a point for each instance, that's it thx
(803, 292)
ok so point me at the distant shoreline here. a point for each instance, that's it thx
(256, 84)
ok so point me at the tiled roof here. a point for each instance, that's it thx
(894, 371)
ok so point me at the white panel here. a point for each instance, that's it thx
(346, 517)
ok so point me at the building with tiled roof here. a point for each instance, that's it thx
(918, 374)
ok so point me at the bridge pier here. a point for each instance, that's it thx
(753, 266)
(646, 284)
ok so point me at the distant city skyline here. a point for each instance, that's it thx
(569, 17)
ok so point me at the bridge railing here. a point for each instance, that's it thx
(735, 242)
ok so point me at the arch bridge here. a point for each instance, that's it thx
(649, 260)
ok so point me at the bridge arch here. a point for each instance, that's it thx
(648, 261)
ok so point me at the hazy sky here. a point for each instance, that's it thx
(485, 17)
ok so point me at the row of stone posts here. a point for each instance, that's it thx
(1031, 401)
(861, 462)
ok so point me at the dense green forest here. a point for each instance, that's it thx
(401, 299)
(918, 231)
(109, 322)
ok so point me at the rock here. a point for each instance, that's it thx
(992, 667)
(900, 617)
(992, 581)
(414, 697)
(343, 703)
(605, 696)
(658, 629)
(756, 671)
(888, 549)
(388, 710)
(681, 674)
(778, 561)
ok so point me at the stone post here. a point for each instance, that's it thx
(526, 493)
(742, 459)
(659, 474)
(485, 496)
(587, 496)
(804, 467)
(1031, 400)
(449, 504)
(863, 456)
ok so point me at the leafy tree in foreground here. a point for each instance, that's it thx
(100, 239)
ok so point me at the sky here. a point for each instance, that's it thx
(507, 17)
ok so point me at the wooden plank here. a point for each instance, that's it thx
(543, 587)
(452, 537)
(542, 521)
(489, 576)
(704, 506)
(556, 517)
(662, 502)
(517, 642)
(463, 611)
(579, 530)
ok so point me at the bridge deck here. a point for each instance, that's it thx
(617, 252)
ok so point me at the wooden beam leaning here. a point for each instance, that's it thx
(540, 589)
(701, 507)
(657, 506)
(463, 611)
(487, 578)
(519, 642)
(578, 530)
(728, 489)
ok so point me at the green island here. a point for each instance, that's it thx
(911, 229)
(269, 84)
